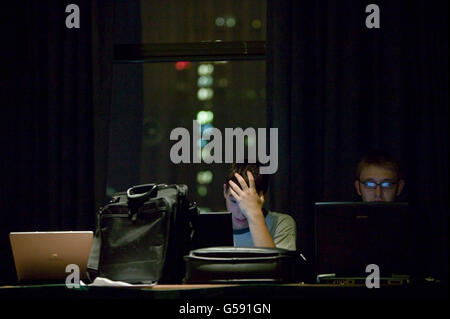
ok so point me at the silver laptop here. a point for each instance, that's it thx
(42, 257)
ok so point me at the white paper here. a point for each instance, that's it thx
(105, 282)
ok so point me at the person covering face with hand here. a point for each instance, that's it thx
(252, 224)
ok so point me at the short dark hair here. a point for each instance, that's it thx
(379, 158)
(261, 180)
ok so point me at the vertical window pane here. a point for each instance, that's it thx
(151, 100)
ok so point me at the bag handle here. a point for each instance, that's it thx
(143, 192)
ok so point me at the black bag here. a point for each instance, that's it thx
(242, 265)
(142, 235)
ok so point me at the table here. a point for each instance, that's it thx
(172, 299)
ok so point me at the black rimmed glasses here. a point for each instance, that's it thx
(373, 185)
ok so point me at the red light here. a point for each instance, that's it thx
(182, 65)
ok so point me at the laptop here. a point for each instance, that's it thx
(349, 236)
(42, 257)
(213, 229)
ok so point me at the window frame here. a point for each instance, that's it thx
(194, 51)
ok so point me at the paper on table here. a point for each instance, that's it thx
(105, 282)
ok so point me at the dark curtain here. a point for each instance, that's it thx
(337, 89)
(55, 89)
(103, 19)
(126, 111)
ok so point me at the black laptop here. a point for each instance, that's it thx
(349, 236)
(213, 229)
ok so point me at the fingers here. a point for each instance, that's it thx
(235, 189)
(251, 180)
(244, 187)
(241, 181)
(225, 190)
(234, 194)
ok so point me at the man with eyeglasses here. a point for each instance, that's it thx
(378, 178)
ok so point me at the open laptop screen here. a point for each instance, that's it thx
(213, 229)
(42, 257)
(349, 236)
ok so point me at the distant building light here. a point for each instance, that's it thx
(204, 177)
(208, 176)
(231, 22)
(222, 83)
(202, 190)
(206, 155)
(205, 69)
(250, 140)
(201, 143)
(207, 129)
(256, 24)
(220, 22)
(204, 81)
(182, 65)
(204, 94)
(205, 117)
(110, 191)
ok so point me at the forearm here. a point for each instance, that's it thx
(259, 231)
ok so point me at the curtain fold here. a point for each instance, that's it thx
(50, 76)
(337, 89)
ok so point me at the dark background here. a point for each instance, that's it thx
(335, 89)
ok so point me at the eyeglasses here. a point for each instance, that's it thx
(383, 185)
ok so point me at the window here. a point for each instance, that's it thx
(167, 79)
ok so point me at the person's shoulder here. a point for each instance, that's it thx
(283, 225)
(280, 217)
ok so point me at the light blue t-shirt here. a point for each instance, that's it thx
(281, 227)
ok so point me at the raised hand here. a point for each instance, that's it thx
(250, 202)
